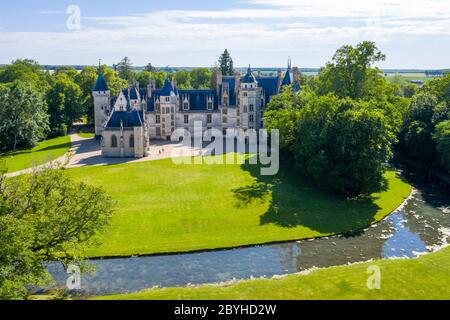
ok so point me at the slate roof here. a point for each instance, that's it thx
(269, 85)
(100, 84)
(130, 119)
(249, 77)
(168, 88)
(231, 81)
(198, 99)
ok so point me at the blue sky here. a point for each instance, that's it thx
(412, 33)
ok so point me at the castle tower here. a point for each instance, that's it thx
(102, 102)
(250, 100)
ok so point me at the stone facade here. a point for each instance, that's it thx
(127, 123)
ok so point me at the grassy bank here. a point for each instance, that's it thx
(45, 151)
(163, 207)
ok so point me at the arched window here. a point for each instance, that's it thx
(114, 141)
(132, 141)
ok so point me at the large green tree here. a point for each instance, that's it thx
(226, 64)
(350, 73)
(86, 80)
(45, 217)
(23, 117)
(65, 103)
(201, 78)
(416, 136)
(342, 145)
(183, 79)
(125, 69)
(442, 138)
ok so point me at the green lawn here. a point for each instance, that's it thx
(426, 277)
(86, 135)
(45, 151)
(163, 207)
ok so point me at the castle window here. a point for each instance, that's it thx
(250, 118)
(209, 118)
(245, 94)
(186, 119)
(225, 101)
(132, 141)
(210, 105)
(225, 111)
(158, 118)
(245, 109)
(252, 108)
(186, 106)
(167, 99)
(114, 141)
(158, 131)
(225, 120)
(238, 122)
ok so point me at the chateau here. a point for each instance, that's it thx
(127, 123)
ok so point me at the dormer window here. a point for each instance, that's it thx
(251, 107)
(186, 105)
(210, 105)
(167, 99)
(225, 101)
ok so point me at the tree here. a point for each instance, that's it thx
(226, 64)
(25, 70)
(183, 79)
(65, 103)
(349, 74)
(201, 78)
(23, 117)
(416, 139)
(45, 217)
(442, 138)
(114, 81)
(86, 80)
(150, 68)
(342, 145)
(125, 70)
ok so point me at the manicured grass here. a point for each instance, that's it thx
(45, 151)
(86, 135)
(426, 277)
(163, 207)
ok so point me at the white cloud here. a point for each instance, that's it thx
(281, 26)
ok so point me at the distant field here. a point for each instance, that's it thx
(409, 76)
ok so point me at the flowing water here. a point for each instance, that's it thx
(422, 225)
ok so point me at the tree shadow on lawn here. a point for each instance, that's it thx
(12, 153)
(294, 201)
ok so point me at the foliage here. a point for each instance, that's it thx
(183, 79)
(201, 78)
(23, 117)
(27, 71)
(150, 68)
(86, 80)
(442, 138)
(125, 69)
(226, 64)
(45, 217)
(416, 137)
(349, 74)
(65, 103)
(342, 145)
